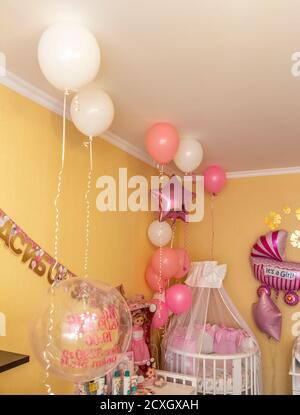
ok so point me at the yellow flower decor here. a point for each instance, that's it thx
(295, 239)
(273, 220)
(287, 210)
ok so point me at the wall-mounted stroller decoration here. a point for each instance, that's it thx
(269, 267)
(267, 259)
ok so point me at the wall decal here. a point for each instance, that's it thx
(30, 252)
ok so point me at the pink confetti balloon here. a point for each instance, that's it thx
(91, 330)
(162, 142)
(214, 179)
(161, 314)
(167, 260)
(155, 282)
(179, 298)
(267, 316)
(184, 263)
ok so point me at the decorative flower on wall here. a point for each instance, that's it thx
(273, 220)
(295, 239)
(287, 210)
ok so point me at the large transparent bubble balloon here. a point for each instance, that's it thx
(90, 334)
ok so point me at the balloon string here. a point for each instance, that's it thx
(173, 234)
(46, 351)
(88, 189)
(186, 236)
(161, 173)
(56, 238)
(212, 226)
(64, 129)
(57, 216)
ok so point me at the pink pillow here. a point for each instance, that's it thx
(226, 340)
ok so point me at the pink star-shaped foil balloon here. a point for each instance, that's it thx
(173, 200)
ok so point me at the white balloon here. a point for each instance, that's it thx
(69, 55)
(189, 155)
(159, 233)
(92, 110)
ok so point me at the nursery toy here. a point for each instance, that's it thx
(141, 322)
(138, 343)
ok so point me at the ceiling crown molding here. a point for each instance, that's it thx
(31, 92)
(263, 172)
(35, 94)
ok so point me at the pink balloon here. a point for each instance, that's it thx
(267, 316)
(169, 262)
(173, 200)
(184, 263)
(162, 142)
(154, 281)
(179, 298)
(161, 314)
(214, 179)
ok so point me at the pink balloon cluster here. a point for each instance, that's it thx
(163, 145)
(167, 263)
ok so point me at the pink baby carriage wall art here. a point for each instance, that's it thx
(274, 273)
(271, 269)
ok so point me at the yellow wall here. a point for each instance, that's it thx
(119, 250)
(239, 213)
(29, 162)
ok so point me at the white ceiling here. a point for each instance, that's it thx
(219, 70)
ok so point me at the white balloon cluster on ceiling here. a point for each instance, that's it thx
(69, 57)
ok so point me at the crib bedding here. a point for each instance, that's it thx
(210, 339)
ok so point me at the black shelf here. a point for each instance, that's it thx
(9, 360)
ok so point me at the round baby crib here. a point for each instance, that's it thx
(235, 374)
